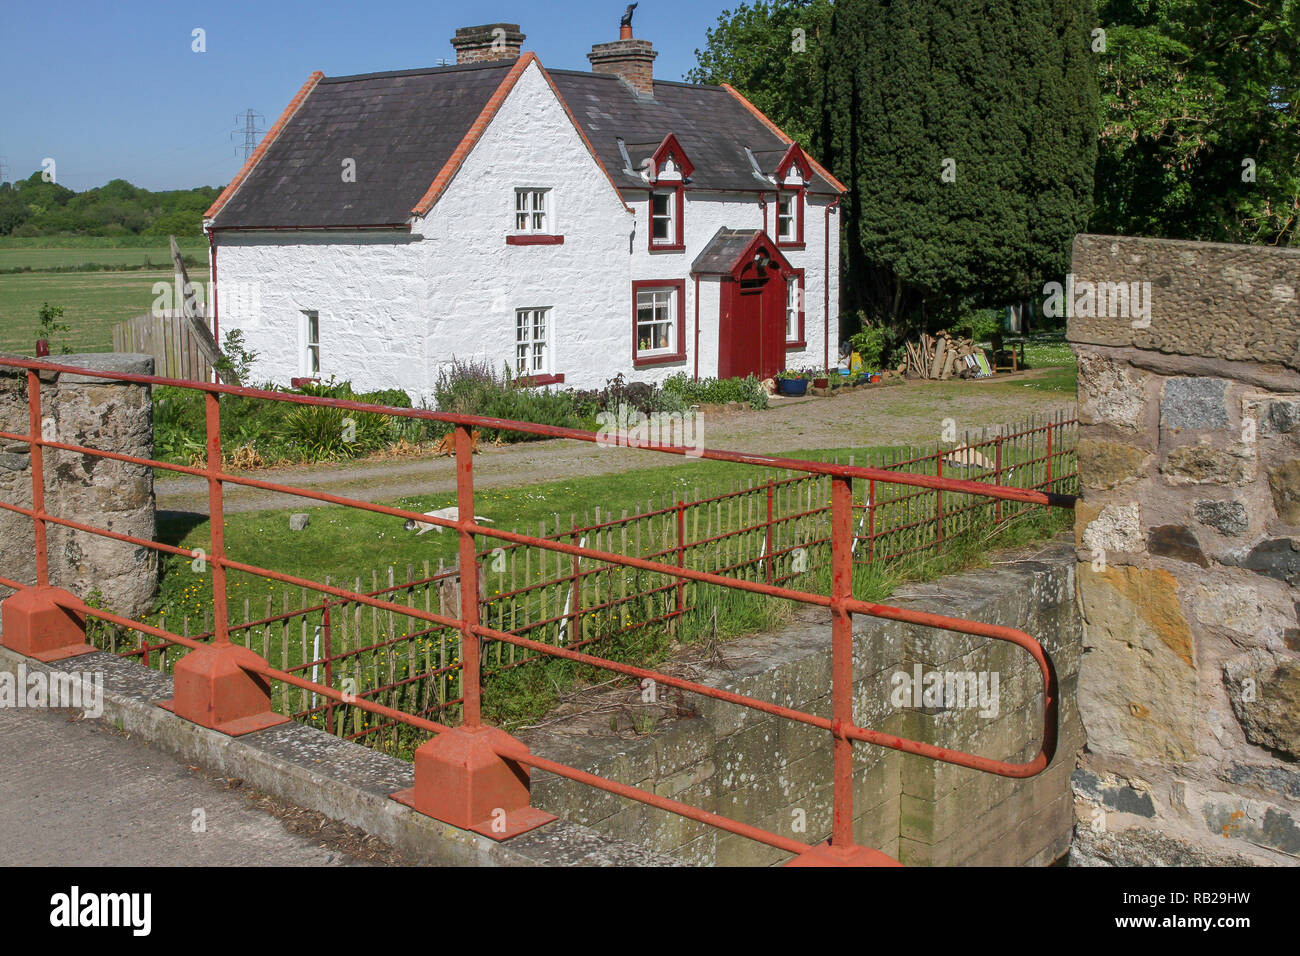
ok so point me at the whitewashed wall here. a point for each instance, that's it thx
(481, 281)
(705, 214)
(394, 307)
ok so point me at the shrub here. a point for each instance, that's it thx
(715, 391)
(871, 344)
(473, 388)
(322, 433)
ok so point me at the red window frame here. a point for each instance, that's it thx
(679, 355)
(799, 207)
(802, 341)
(678, 243)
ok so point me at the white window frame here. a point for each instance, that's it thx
(671, 196)
(669, 304)
(532, 341)
(792, 198)
(311, 357)
(792, 309)
(535, 204)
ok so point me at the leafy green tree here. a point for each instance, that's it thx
(1200, 120)
(965, 130)
(770, 51)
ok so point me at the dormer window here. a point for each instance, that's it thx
(792, 176)
(666, 218)
(668, 170)
(787, 217)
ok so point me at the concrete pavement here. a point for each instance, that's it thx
(77, 792)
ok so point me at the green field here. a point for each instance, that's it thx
(92, 302)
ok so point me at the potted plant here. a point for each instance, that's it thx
(793, 381)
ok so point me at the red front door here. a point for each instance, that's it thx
(752, 328)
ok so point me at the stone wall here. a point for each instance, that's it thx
(1188, 536)
(776, 774)
(113, 495)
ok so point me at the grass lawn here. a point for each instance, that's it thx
(92, 301)
(44, 254)
(342, 544)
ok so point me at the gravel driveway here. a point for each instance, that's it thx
(909, 413)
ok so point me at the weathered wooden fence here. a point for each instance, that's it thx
(171, 340)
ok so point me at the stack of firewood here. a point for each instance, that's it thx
(939, 357)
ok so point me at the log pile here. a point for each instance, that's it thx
(939, 357)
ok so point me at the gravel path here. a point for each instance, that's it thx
(910, 413)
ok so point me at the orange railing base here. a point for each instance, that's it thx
(823, 854)
(215, 687)
(38, 624)
(461, 780)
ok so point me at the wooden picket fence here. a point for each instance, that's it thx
(772, 529)
(170, 339)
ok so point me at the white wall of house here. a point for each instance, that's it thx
(706, 213)
(394, 306)
(481, 281)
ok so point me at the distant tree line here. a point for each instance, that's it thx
(978, 137)
(34, 207)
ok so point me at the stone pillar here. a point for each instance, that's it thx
(112, 495)
(1188, 537)
(15, 483)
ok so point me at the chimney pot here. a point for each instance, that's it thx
(487, 43)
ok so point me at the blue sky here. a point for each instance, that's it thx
(111, 89)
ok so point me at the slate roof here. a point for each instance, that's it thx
(713, 126)
(400, 128)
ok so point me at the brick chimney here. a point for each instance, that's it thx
(492, 41)
(630, 59)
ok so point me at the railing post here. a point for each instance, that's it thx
(841, 850)
(842, 657)
(216, 519)
(220, 686)
(470, 643)
(460, 776)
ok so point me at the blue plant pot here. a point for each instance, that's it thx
(793, 386)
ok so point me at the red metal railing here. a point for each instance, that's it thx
(759, 527)
(443, 785)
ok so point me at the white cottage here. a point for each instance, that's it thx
(574, 225)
